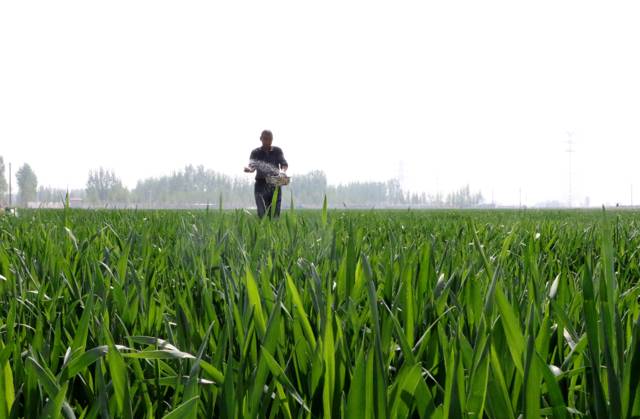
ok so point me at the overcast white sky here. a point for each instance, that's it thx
(446, 93)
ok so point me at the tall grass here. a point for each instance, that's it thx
(319, 314)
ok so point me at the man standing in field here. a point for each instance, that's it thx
(267, 161)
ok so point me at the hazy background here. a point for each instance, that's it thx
(438, 94)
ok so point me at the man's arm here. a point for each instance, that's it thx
(250, 168)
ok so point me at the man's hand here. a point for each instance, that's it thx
(248, 169)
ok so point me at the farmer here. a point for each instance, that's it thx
(268, 161)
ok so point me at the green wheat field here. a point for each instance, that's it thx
(355, 314)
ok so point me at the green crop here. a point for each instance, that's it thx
(386, 314)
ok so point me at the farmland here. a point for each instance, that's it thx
(337, 314)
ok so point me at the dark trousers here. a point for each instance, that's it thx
(264, 195)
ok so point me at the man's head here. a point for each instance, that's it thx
(267, 138)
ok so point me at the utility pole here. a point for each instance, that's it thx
(570, 150)
(520, 193)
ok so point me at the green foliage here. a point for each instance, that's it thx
(320, 314)
(27, 184)
(194, 185)
(103, 186)
(463, 198)
(197, 185)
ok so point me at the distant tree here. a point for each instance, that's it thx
(193, 186)
(197, 186)
(309, 189)
(3, 181)
(104, 186)
(369, 194)
(27, 184)
(463, 198)
(436, 200)
(395, 194)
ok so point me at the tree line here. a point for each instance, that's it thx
(197, 186)
(27, 183)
